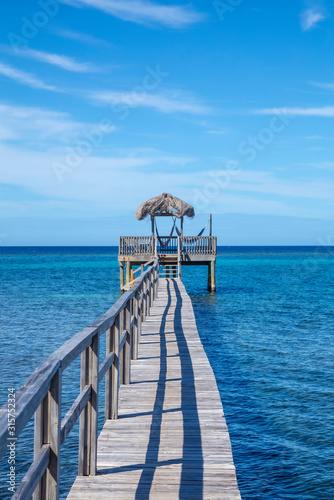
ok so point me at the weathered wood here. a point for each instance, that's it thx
(74, 413)
(84, 418)
(115, 369)
(171, 441)
(105, 366)
(34, 474)
(54, 427)
(41, 393)
(93, 406)
(41, 437)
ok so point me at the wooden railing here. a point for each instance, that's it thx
(41, 393)
(137, 245)
(148, 245)
(167, 245)
(198, 245)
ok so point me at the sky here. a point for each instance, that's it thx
(227, 104)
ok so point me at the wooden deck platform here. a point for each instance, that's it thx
(171, 440)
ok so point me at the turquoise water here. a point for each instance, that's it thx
(268, 332)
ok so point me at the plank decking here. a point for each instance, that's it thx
(171, 440)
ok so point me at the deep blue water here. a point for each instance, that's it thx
(268, 332)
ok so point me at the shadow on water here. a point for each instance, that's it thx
(192, 457)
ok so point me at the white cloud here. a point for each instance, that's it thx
(64, 62)
(173, 103)
(324, 86)
(25, 78)
(216, 132)
(81, 37)
(310, 18)
(325, 111)
(144, 11)
(30, 124)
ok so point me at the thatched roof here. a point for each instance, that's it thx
(165, 204)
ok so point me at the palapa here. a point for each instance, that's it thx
(165, 204)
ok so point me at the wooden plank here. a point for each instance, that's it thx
(34, 475)
(171, 440)
(105, 366)
(74, 412)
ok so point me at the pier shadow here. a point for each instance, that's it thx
(191, 481)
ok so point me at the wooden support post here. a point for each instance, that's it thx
(132, 275)
(152, 225)
(93, 403)
(54, 426)
(89, 417)
(108, 382)
(127, 346)
(213, 276)
(167, 271)
(128, 272)
(83, 429)
(209, 277)
(115, 369)
(121, 274)
(135, 327)
(47, 431)
(40, 438)
(121, 354)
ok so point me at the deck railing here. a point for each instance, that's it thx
(137, 245)
(151, 245)
(199, 245)
(41, 393)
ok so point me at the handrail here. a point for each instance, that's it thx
(149, 245)
(41, 393)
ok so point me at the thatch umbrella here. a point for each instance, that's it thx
(164, 205)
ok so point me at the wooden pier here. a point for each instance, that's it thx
(164, 437)
(170, 440)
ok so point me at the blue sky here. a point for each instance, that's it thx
(227, 104)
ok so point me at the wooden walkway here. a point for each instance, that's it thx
(171, 440)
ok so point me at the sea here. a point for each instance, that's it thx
(267, 331)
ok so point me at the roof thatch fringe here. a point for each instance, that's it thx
(165, 204)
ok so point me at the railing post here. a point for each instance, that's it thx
(122, 327)
(47, 431)
(135, 309)
(83, 427)
(108, 384)
(41, 437)
(139, 313)
(127, 345)
(89, 417)
(115, 369)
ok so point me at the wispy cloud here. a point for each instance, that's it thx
(310, 18)
(326, 111)
(216, 132)
(144, 11)
(324, 86)
(81, 37)
(33, 125)
(174, 103)
(25, 78)
(61, 61)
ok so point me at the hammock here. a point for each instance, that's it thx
(162, 244)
